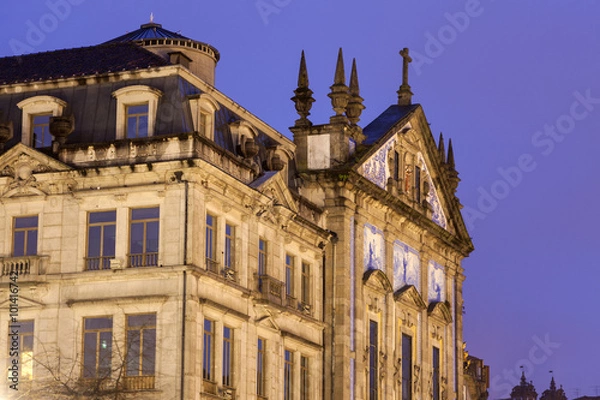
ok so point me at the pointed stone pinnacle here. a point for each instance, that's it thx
(339, 92)
(355, 105)
(303, 73)
(450, 159)
(340, 75)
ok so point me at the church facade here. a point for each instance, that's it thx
(159, 241)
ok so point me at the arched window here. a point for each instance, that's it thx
(35, 126)
(136, 111)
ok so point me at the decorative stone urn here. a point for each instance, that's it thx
(61, 127)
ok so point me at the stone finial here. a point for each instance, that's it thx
(355, 105)
(451, 172)
(441, 148)
(404, 93)
(339, 91)
(303, 95)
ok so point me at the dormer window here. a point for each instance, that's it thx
(35, 125)
(136, 111)
(203, 108)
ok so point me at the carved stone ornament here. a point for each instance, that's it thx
(22, 172)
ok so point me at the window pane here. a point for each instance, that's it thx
(152, 237)
(142, 321)
(103, 216)
(26, 222)
(133, 352)
(108, 241)
(94, 233)
(139, 109)
(89, 355)
(145, 213)
(137, 238)
(98, 323)
(149, 352)
(19, 244)
(32, 242)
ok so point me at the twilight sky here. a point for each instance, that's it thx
(515, 84)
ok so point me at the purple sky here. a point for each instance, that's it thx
(515, 84)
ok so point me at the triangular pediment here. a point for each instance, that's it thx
(410, 296)
(440, 310)
(24, 303)
(273, 185)
(378, 280)
(264, 318)
(404, 160)
(20, 165)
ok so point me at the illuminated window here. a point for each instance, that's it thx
(227, 366)
(373, 360)
(25, 236)
(141, 350)
(137, 108)
(97, 347)
(143, 243)
(208, 351)
(288, 375)
(101, 239)
(261, 369)
(137, 121)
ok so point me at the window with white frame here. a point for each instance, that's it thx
(137, 107)
(203, 108)
(35, 123)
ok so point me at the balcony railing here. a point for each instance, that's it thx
(138, 382)
(28, 265)
(143, 260)
(97, 263)
(212, 265)
(271, 289)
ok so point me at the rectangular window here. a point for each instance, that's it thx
(305, 285)
(141, 346)
(143, 244)
(137, 121)
(373, 359)
(25, 348)
(436, 373)
(227, 356)
(102, 227)
(203, 123)
(25, 235)
(229, 250)
(208, 351)
(210, 245)
(262, 257)
(40, 127)
(418, 184)
(97, 347)
(288, 374)
(407, 362)
(304, 378)
(289, 275)
(260, 368)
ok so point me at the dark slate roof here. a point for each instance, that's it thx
(81, 61)
(150, 30)
(385, 121)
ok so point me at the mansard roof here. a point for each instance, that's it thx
(83, 61)
(385, 121)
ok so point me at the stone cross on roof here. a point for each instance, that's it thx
(404, 93)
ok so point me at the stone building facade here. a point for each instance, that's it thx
(159, 241)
